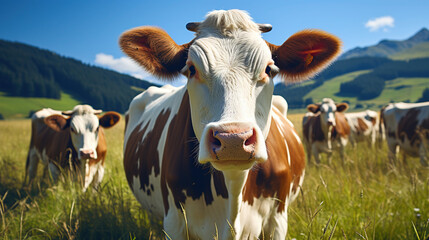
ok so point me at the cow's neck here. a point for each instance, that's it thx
(234, 181)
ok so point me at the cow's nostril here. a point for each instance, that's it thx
(214, 141)
(251, 140)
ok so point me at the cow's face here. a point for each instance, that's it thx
(230, 69)
(327, 110)
(230, 89)
(83, 125)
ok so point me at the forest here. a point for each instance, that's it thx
(27, 71)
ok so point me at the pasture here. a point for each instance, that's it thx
(365, 198)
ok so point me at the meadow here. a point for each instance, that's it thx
(366, 197)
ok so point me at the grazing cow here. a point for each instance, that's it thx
(407, 126)
(323, 124)
(216, 158)
(69, 139)
(363, 127)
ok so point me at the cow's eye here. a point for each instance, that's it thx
(73, 130)
(268, 70)
(192, 71)
(271, 70)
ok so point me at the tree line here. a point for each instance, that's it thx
(28, 71)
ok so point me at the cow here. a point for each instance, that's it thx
(217, 157)
(364, 126)
(407, 128)
(324, 125)
(69, 139)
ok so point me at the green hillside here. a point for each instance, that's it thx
(20, 107)
(30, 72)
(419, 51)
(331, 87)
(397, 90)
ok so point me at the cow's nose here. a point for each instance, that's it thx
(87, 154)
(232, 143)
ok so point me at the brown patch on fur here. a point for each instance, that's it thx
(361, 127)
(180, 171)
(342, 127)
(141, 154)
(316, 134)
(305, 53)
(154, 49)
(273, 178)
(407, 126)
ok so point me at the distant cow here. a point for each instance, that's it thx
(363, 127)
(217, 157)
(60, 139)
(407, 126)
(323, 126)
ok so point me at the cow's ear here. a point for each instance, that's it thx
(154, 49)
(314, 108)
(109, 119)
(341, 107)
(305, 54)
(57, 122)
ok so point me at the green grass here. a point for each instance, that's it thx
(20, 107)
(419, 51)
(366, 198)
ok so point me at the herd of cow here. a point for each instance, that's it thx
(218, 157)
(405, 127)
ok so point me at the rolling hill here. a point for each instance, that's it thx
(390, 71)
(38, 78)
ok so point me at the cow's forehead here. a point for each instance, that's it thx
(248, 51)
(328, 105)
(84, 121)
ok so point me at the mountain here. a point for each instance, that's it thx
(29, 72)
(388, 48)
(390, 71)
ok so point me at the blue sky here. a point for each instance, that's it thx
(89, 30)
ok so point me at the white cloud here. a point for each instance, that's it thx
(384, 23)
(126, 65)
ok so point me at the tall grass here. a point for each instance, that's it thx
(365, 198)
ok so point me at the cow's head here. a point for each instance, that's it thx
(230, 71)
(83, 124)
(327, 109)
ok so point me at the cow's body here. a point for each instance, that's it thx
(324, 128)
(217, 157)
(166, 176)
(363, 127)
(407, 126)
(56, 150)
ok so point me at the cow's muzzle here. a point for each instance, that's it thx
(87, 154)
(234, 145)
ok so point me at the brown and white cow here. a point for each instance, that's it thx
(216, 157)
(60, 139)
(323, 126)
(407, 126)
(363, 127)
